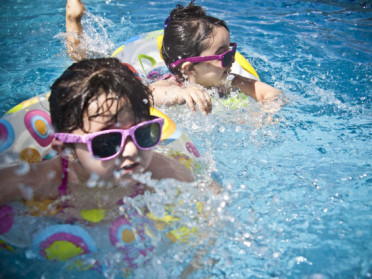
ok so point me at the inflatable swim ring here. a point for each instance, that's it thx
(26, 134)
(85, 246)
(143, 52)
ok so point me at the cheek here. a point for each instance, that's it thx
(90, 165)
(145, 157)
(82, 154)
(209, 74)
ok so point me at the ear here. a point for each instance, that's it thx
(188, 68)
(60, 148)
(57, 146)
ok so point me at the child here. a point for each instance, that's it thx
(197, 51)
(189, 34)
(104, 134)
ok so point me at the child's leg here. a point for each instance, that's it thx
(74, 12)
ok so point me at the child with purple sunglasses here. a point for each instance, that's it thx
(198, 52)
(100, 112)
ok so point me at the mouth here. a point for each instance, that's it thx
(130, 168)
(121, 175)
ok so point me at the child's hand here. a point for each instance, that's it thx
(194, 94)
(167, 92)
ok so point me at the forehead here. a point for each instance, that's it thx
(220, 39)
(107, 110)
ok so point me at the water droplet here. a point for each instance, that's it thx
(22, 169)
(230, 77)
(93, 180)
(276, 254)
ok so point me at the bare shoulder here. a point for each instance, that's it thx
(165, 167)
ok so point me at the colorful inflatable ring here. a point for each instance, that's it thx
(133, 234)
(143, 53)
(26, 134)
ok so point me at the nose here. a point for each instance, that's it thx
(129, 149)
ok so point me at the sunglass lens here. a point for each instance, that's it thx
(148, 135)
(226, 59)
(106, 145)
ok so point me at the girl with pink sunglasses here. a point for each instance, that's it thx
(104, 134)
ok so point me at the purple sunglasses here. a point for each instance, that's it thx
(107, 144)
(224, 57)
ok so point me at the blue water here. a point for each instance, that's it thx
(298, 180)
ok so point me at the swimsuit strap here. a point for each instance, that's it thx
(139, 189)
(62, 189)
(178, 82)
(170, 76)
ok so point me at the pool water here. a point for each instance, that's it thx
(297, 199)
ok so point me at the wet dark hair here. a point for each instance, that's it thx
(85, 81)
(186, 30)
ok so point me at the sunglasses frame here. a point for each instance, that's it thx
(88, 138)
(198, 59)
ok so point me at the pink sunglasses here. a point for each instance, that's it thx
(107, 144)
(225, 57)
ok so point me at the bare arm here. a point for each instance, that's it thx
(74, 12)
(168, 92)
(39, 181)
(165, 167)
(256, 89)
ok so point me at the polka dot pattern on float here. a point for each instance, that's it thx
(7, 135)
(30, 155)
(122, 233)
(38, 123)
(130, 236)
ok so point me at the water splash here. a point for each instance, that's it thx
(95, 38)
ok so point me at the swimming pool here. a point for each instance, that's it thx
(298, 181)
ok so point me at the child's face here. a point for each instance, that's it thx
(130, 160)
(211, 73)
